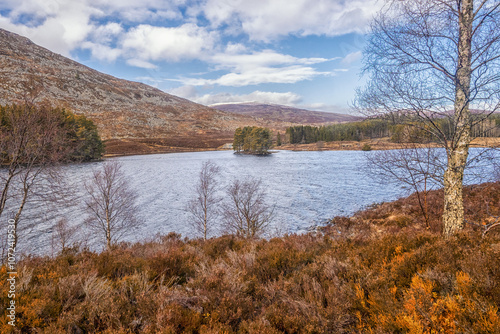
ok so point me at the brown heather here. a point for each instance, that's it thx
(380, 271)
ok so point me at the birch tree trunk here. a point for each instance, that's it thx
(458, 147)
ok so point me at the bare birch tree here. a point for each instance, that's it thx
(247, 213)
(32, 141)
(110, 204)
(63, 235)
(435, 60)
(203, 207)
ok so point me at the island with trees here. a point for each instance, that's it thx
(252, 140)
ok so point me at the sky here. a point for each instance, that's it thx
(301, 53)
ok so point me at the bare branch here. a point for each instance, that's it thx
(203, 206)
(110, 203)
(247, 213)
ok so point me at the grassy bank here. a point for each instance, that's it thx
(380, 271)
(131, 146)
(374, 144)
(124, 147)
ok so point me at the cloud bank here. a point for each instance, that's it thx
(192, 26)
(235, 40)
(192, 93)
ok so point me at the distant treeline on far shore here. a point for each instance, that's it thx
(380, 128)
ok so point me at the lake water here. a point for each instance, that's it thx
(307, 188)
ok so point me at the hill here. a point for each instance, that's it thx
(134, 116)
(280, 113)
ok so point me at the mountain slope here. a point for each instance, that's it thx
(122, 109)
(279, 113)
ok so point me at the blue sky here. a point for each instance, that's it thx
(300, 53)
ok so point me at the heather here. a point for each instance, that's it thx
(380, 271)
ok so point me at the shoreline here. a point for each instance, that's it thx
(375, 145)
(379, 144)
(179, 150)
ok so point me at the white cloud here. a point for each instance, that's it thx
(35, 8)
(235, 48)
(101, 38)
(260, 75)
(107, 33)
(141, 63)
(147, 15)
(187, 41)
(258, 67)
(188, 92)
(265, 20)
(352, 57)
(328, 108)
(191, 93)
(65, 25)
(153, 31)
(242, 61)
(139, 10)
(287, 98)
(60, 26)
(101, 51)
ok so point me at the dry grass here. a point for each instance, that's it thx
(202, 141)
(375, 144)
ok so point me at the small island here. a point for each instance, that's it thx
(252, 140)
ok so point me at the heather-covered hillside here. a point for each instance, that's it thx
(280, 113)
(121, 109)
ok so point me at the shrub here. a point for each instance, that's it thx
(366, 147)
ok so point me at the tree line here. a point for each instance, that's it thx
(409, 131)
(353, 131)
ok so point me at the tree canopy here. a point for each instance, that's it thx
(78, 138)
(252, 139)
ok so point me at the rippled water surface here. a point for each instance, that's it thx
(307, 188)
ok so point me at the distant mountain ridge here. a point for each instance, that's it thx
(121, 108)
(280, 113)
